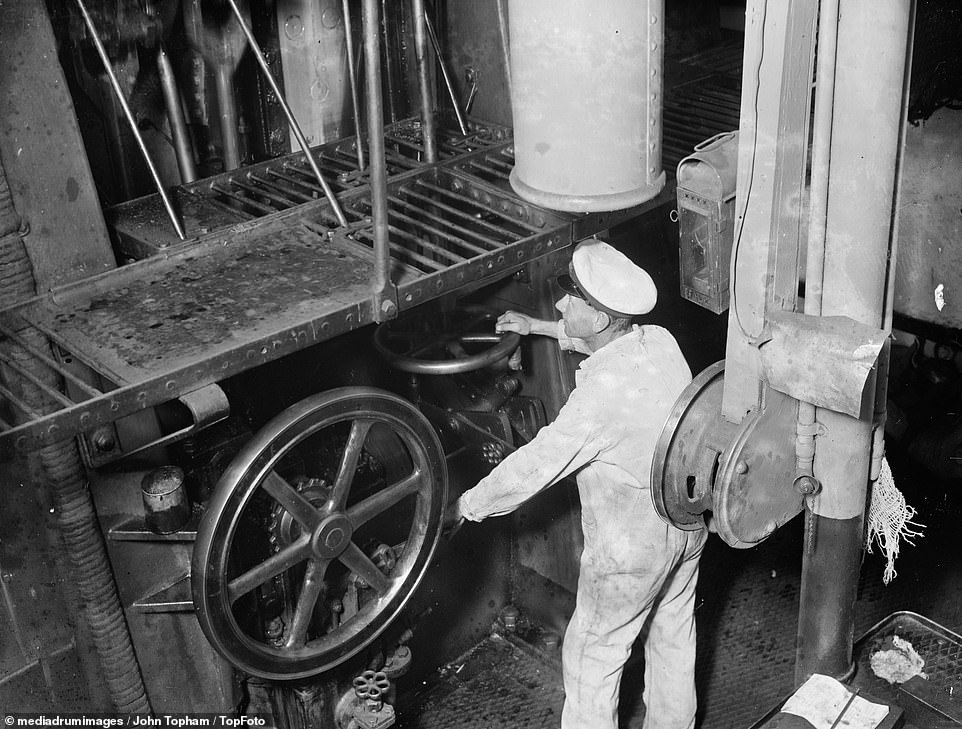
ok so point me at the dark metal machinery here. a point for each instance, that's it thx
(332, 512)
(237, 334)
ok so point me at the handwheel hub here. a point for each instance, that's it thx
(332, 536)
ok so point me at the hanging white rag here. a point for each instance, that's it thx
(889, 520)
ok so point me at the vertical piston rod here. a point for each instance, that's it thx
(428, 127)
(301, 139)
(375, 114)
(175, 117)
(505, 43)
(115, 84)
(352, 79)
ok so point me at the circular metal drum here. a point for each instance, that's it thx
(586, 101)
(739, 476)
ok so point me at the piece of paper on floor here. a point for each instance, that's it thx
(821, 699)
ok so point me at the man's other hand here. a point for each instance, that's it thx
(512, 321)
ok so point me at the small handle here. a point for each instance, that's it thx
(711, 141)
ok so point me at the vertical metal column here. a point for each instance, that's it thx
(772, 149)
(425, 88)
(868, 115)
(175, 117)
(352, 80)
(385, 305)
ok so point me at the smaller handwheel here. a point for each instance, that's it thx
(444, 342)
(318, 533)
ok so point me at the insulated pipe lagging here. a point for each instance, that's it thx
(105, 617)
(65, 475)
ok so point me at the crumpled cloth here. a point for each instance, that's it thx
(889, 520)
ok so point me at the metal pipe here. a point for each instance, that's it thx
(375, 131)
(64, 477)
(881, 392)
(821, 159)
(429, 135)
(870, 78)
(447, 78)
(818, 205)
(389, 81)
(224, 83)
(889, 306)
(505, 41)
(301, 139)
(175, 117)
(115, 84)
(352, 78)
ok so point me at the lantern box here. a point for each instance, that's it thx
(705, 188)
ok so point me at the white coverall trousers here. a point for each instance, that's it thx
(633, 566)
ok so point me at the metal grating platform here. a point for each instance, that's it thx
(702, 99)
(746, 611)
(256, 191)
(495, 685)
(265, 273)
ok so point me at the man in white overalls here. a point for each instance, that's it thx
(635, 567)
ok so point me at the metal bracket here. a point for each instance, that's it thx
(386, 303)
(207, 405)
(487, 434)
(171, 598)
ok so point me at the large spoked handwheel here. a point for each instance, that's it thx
(318, 533)
(444, 342)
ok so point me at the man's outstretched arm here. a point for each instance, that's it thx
(559, 449)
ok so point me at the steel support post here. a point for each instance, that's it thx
(871, 67)
(383, 290)
(773, 141)
(425, 82)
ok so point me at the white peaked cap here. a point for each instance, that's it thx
(610, 281)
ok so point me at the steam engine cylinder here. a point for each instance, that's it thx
(586, 100)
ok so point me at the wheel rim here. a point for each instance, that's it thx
(267, 597)
(444, 343)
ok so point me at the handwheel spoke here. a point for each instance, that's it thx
(287, 496)
(364, 511)
(480, 338)
(311, 589)
(363, 567)
(349, 459)
(271, 567)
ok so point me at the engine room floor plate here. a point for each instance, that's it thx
(495, 685)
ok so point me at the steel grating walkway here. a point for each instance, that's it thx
(197, 312)
(263, 275)
(496, 684)
(746, 614)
